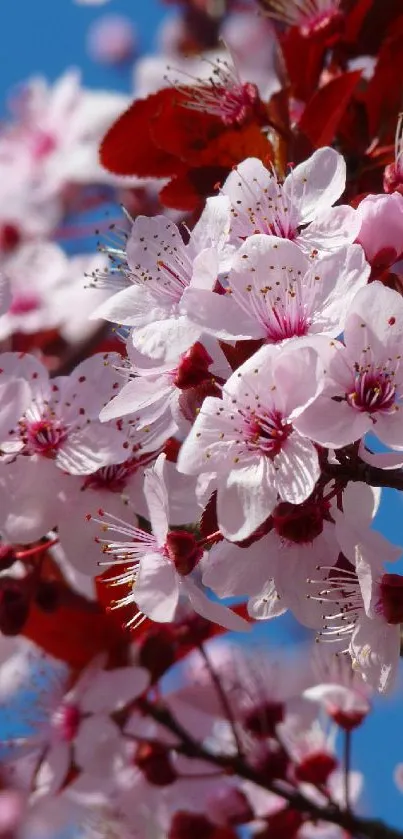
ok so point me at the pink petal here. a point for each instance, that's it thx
(156, 592)
(166, 339)
(112, 689)
(375, 650)
(245, 498)
(267, 604)
(219, 315)
(97, 742)
(297, 469)
(157, 499)
(335, 227)
(94, 446)
(316, 183)
(211, 610)
(231, 571)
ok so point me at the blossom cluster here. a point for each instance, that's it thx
(197, 420)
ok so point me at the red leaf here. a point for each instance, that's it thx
(75, 632)
(383, 96)
(355, 19)
(304, 62)
(325, 110)
(128, 147)
(189, 190)
(181, 131)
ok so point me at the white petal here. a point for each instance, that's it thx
(297, 469)
(156, 495)
(245, 499)
(211, 610)
(112, 689)
(316, 183)
(156, 591)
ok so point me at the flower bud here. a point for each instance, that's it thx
(183, 551)
(154, 761)
(261, 720)
(316, 768)
(190, 826)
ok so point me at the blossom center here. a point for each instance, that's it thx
(154, 761)
(42, 144)
(192, 370)
(372, 391)
(267, 432)
(114, 477)
(66, 721)
(182, 549)
(390, 603)
(43, 437)
(10, 237)
(300, 523)
(236, 103)
(316, 768)
(22, 304)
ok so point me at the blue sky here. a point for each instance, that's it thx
(46, 37)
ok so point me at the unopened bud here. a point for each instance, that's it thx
(154, 761)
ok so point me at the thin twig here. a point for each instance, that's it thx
(235, 765)
(225, 703)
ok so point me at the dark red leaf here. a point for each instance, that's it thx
(326, 108)
(383, 96)
(355, 19)
(304, 59)
(128, 147)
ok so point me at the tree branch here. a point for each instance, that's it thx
(236, 765)
(358, 470)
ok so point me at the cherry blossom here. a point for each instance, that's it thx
(159, 565)
(112, 40)
(45, 287)
(295, 298)
(261, 204)
(340, 690)
(78, 718)
(250, 439)
(58, 129)
(166, 399)
(363, 378)
(159, 268)
(59, 425)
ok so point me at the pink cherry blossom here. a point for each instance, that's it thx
(275, 292)
(78, 718)
(111, 40)
(273, 570)
(57, 129)
(60, 423)
(158, 270)
(261, 204)
(159, 565)
(166, 399)
(361, 614)
(46, 287)
(364, 378)
(340, 690)
(250, 440)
